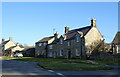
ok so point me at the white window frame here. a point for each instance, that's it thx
(68, 43)
(118, 48)
(50, 46)
(61, 52)
(42, 52)
(50, 53)
(61, 41)
(40, 44)
(77, 52)
(77, 38)
(38, 52)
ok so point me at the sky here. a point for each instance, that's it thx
(28, 22)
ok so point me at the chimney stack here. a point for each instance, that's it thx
(93, 22)
(10, 38)
(17, 44)
(66, 29)
(56, 35)
(3, 39)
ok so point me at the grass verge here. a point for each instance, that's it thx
(108, 62)
(33, 59)
(73, 66)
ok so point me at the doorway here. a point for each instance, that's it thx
(69, 54)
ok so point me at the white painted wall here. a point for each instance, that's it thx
(9, 44)
(17, 48)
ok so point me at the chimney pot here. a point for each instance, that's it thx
(17, 44)
(93, 22)
(3, 39)
(10, 38)
(56, 35)
(66, 29)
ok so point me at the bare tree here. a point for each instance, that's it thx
(94, 46)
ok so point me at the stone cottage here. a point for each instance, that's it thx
(41, 46)
(76, 43)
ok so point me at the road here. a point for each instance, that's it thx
(30, 69)
(11, 67)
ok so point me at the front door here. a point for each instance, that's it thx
(69, 54)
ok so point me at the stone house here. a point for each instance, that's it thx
(8, 47)
(116, 44)
(67, 46)
(107, 47)
(76, 43)
(41, 46)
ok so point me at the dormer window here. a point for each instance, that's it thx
(77, 38)
(40, 44)
(61, 41)
(44, 44)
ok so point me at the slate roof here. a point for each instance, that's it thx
(116, 39)
(45, 39)
(82, 31)
(28, 47)
(69, 35)
(5, 42)
(21, 46)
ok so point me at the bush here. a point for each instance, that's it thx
(102, 56)
(41, 56)
(61, 57)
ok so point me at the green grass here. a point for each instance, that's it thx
(73, 66)
(108, 62)
(33, 59)
(5, 57)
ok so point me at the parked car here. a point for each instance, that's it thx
(18, 55)
(0, 54)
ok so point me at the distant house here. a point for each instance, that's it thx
(107, 47)
(116, 43)
(29, 52)
(8, 47)
(76, 43)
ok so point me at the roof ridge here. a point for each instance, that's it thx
(80, 28)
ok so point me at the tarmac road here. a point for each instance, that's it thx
(11, 67)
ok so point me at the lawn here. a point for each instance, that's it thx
(5, 57)
(33, 59)
(108, 62)
(73, 66)
(63, 64)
